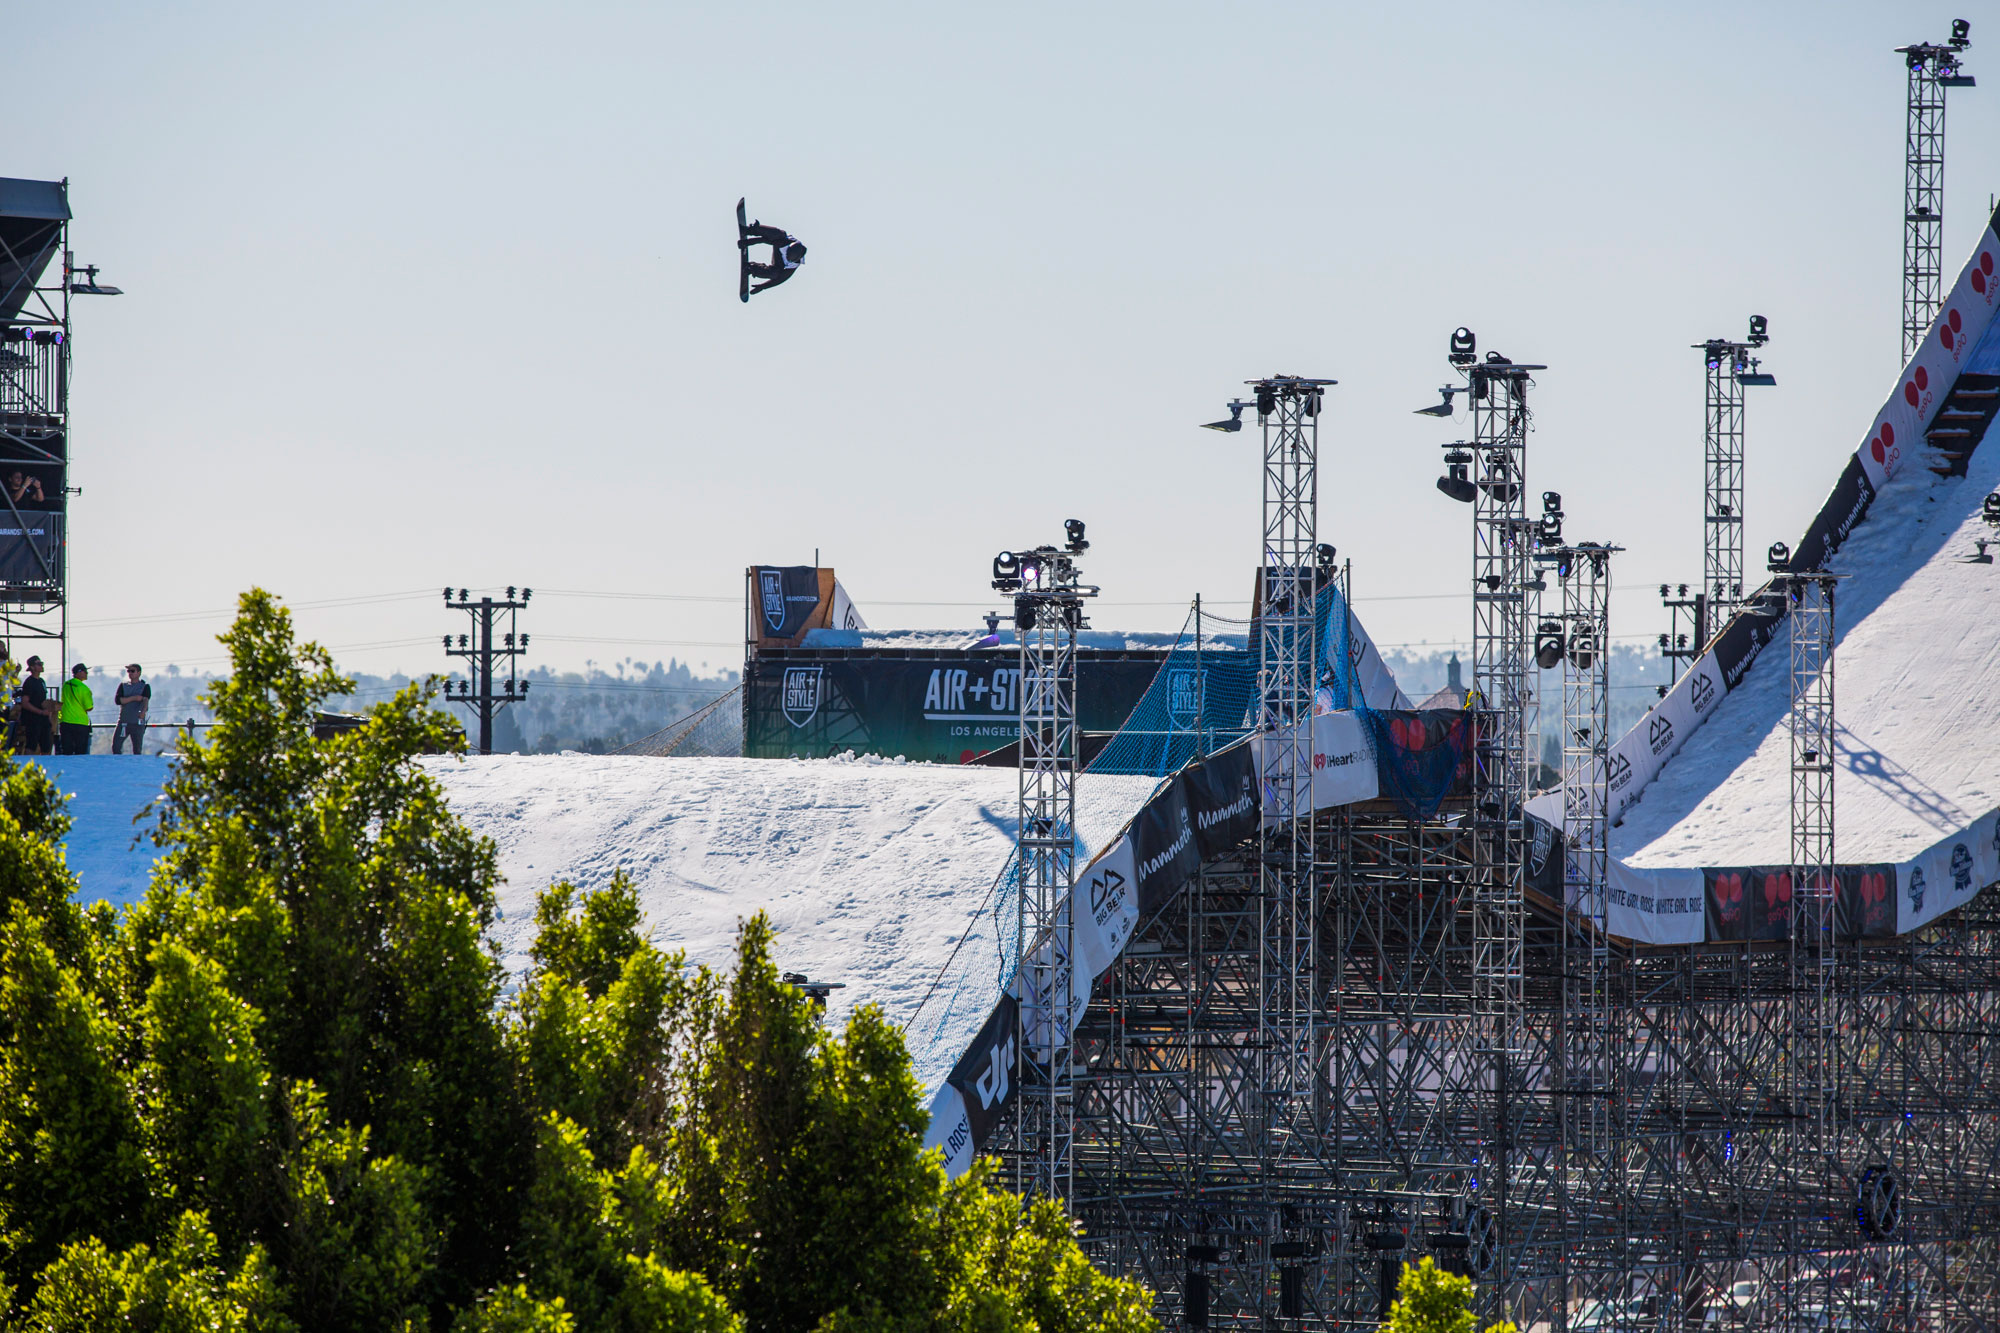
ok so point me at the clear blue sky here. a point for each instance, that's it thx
(445, 293)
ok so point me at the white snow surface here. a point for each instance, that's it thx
(1916, 690)
(873, 872)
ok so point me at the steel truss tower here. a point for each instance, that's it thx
(1932, 69)
(1504, 688)
(1048, 612)
(1728, 368)
(1288, 1106)
(1591, 1084)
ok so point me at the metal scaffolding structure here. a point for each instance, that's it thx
(1049, 599)
(1931, 69)
(1798, 1133)
(35, 347)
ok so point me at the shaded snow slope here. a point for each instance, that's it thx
(107, 794)
(1917, 688)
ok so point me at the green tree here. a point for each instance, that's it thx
(1431, 1300)
(184, 1288)
(346, 911)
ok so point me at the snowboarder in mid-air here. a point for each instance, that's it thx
(786, 253)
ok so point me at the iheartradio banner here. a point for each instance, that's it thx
(1898, 431)
(1332, 751)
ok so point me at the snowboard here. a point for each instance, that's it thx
(742, 255)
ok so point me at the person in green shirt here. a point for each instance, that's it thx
(75, 714)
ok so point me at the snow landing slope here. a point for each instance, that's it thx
(873, 872)
(1917, 686)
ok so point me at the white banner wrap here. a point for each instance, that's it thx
(1947, 875)
(1109, 889)
(1337, 766)
(950, 1131)
(1655, 906)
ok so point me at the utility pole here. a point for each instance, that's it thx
(478, 691)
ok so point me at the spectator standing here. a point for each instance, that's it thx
(75, 715)
(134, 699)
(37, 718)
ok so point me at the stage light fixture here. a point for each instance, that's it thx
(1549, 530)
(1024, 614)
(1754, 378)
(1552, 502)
(1779, 557)
(1583, 649)
(1497, 359)
(1961, 34)
(1463, 346)
(1442, 408)
(1565, 563)
(17, 335)
(1760, 330)
(1499, 479)
(1073, 529)
(1233, 423)
(1456, 481)
(1989, 510)
(1549, 645)
(1325, 554)
(1006, 572)
(1267, 401)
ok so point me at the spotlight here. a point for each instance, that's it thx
(1024, 614)
(1760, 330)
(1780, 556)
(1463, 345)
(1549, 530)
(1565, 562)
(1497, 359)
(1961, 34)
(1583, 649)
(1990, 510)
(1549, 645)
(1552, 502)
(1456, 481)
(1439, 409)
(1073, 528)
(1754, 378)
(1006, 572)
(1267, 401)
(1233, 423)
(1324, 554)
(17, 335)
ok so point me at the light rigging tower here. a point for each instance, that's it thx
(1489, 471)
(1591, 1180)
(1932, 69)
(1728, 369)
(1048, 611)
